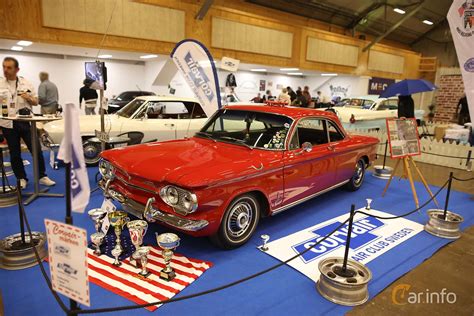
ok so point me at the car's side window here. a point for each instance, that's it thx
(312, 130)
(166, 110)
(334, 134)
(388, 105)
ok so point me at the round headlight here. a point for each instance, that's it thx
(103, 167)
(172, 195)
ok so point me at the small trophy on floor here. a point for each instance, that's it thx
(137, 230)
(369, 201)
(168, 242)
(143, 253)
(97, 215)
(97, 240)
(265, 239)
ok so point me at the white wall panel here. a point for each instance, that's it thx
(330, 52)
(381, 61)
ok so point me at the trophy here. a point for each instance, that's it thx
(167, 242)
(369, 201)
(116, 253)
(143, 255)
(265, 239)
(137, 230)
(118, 219)
(97, 240)
(97, 215)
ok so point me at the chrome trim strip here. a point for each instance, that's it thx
(285, 207)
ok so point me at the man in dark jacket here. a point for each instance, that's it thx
(89, 96)
(463, 111)
(291, 93)
(300, 100)
(406, 106)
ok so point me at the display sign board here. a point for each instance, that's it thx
(371, 238)
(102, 136)
(230, 64)
(378, 85)
(67, 248)
(403, 137)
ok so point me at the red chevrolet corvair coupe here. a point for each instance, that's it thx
(246, 162)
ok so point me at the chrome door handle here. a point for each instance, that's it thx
(332, 148)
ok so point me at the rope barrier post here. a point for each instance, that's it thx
(448, 192)
(20, 205)
(348, 240)
(385, 154)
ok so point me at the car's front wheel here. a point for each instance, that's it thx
(358, 177)
(239, 222)
(91, 152)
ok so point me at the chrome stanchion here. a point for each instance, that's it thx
(383, 171)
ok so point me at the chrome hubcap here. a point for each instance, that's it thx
(359, 172)
(91, 152)
(240, 218)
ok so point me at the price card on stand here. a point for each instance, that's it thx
(108, 206)
(67, 249)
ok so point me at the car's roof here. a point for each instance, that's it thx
(291, 111)
(139, 91)
(165, 98)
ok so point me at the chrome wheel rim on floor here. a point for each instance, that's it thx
(445, 228)
(343, 287)
(8, 196)
(14, 255)
(382, 172)
(240, 219)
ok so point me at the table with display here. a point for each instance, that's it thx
(33, 120)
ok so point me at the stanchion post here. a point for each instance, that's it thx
(385, 154)
(450, 181)
(20, 206)
(348, 240)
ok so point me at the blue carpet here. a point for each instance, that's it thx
(282, 291)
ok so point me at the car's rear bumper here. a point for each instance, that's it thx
(152, 214)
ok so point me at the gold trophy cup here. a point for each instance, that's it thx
(117, 220)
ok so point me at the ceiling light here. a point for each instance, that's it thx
(328, 75)
(428, 22)
(105, 56)
(24, 43)
(148, 56)
(258, 69)
(400, 11)
(295, 73)
(289, 69)
(17, 48)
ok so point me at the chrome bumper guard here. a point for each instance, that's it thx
(151, 214)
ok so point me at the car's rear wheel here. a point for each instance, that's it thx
(91, 152)
(239, 222)
(358, 177)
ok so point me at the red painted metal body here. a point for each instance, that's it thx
(217, 172)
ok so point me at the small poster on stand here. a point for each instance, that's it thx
(67, 248)
(403, 137)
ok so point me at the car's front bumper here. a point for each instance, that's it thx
(150, 213)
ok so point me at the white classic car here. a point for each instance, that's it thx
(159, 118)
(368, 112)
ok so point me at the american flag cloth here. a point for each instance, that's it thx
(125, 281)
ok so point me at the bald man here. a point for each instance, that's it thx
(47, 95)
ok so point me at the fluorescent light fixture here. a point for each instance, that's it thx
(428, 22)
(328, 75)
(400, 11)
(105, 56)
(24, 43)
(258, 69)
(295, 73)
(289, 69)
(148, 56)
(17, 48)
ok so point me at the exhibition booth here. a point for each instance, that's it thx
(180, 183)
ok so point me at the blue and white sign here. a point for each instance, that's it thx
(198, 68)
(371, 237)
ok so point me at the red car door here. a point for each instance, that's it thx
(307, 173)
(344, 155)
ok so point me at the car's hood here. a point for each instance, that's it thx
(87, 124)
(193, 162)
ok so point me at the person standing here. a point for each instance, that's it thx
(20, 95)
(89, 96)
(257, 99)
(291, 93)
(284, 97)
(406, 106)
(462, 111)
(47, 94)
(268, 96)
(300, 100)
(307, 95)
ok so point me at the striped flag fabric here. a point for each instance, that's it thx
(126, 282)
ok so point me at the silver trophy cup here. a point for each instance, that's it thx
(369, 201)
(265, 239)
(168, 242)
(143, 253)
(97, 215)
(137, 230)
(97, 240)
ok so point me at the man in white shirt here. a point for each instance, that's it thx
(19, 94)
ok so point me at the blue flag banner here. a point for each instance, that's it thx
(197, 66)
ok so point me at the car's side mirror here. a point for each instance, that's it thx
(306, 147)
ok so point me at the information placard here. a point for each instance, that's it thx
(67, 248)
(403, 137)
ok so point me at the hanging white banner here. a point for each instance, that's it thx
(461, 23)
(71, 151)
(197, 66)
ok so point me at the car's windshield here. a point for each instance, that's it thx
(128, 110)
(248, 128)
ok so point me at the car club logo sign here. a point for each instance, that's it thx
(466, 13)
(371, 237)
